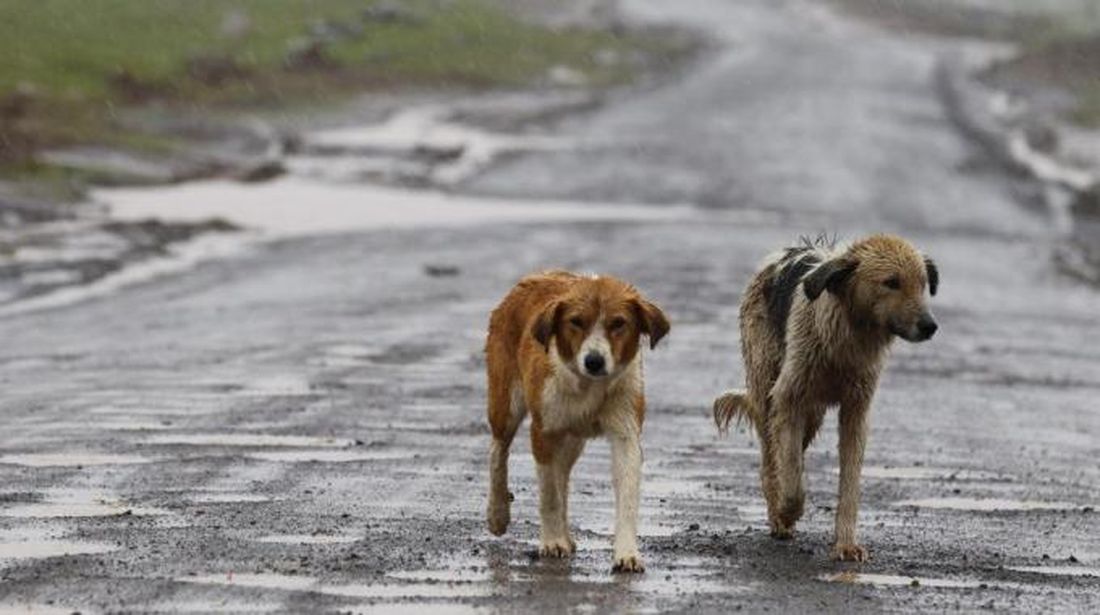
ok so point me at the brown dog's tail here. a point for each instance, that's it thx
(730, 406)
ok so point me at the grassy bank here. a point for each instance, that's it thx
(72, 68)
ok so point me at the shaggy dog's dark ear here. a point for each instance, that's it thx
(828, 275)
(651, 321)
(933, 275)
(547, 324)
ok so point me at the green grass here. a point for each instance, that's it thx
(69, 53)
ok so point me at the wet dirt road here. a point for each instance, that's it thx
(300, 428)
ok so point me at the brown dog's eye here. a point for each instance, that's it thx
(576, 322)
(893, 283)
(616, 325)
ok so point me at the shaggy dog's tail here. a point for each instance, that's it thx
(732, 406)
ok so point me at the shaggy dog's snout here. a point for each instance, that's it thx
(926, 327)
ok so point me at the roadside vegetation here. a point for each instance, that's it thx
(1059, 40)
(74, 69)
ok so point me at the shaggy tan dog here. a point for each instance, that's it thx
(816, 324)
(566, 349)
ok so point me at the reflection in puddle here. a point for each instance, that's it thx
(924, 473)
(890, 580)
(310, 584)
(1061, 571)
(329, 456)
(690, 574)
(61, 460)
(308, 539)
(245, 439)
(986, 504)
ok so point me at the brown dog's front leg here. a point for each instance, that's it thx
(853, 437)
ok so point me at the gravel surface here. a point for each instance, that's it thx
(301, 428)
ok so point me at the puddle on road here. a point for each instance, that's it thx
(228, 498)
(986, 504)
(1060, 571)
(421, 142)
(671, 487)
(420, 608)
(108, 424)
(274, 386)
(180, 257)
(75, 459)
(890, 580)
(924, 473)
(308, 539)
(171, 405)
(329, 456)
(37, 609)
(248, 440)
(409, 591)
(211, 606)
(70, 503)
(288, 207)
(39, 549)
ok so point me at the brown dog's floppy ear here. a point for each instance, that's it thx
(933, 275)
(828, 275)
(547, 324)
(652, 321)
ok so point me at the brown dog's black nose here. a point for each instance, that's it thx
(594, 363)
(927, 327)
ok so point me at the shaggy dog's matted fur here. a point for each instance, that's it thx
(816, 324)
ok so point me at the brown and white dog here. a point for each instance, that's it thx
(816, 324)
(565, 348)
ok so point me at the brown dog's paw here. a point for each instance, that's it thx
(628, 562)
(850, 553)
(498, 516)
(557, 548)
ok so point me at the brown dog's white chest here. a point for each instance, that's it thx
(584, 406)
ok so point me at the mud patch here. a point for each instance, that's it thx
(1059, 571)
(405, 354)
